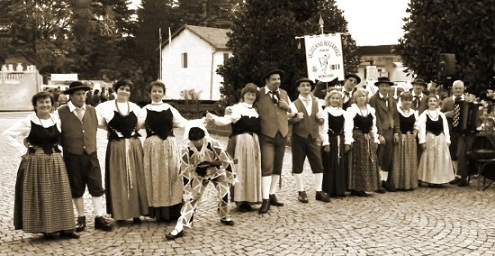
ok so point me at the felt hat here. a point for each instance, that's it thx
(358, 79)
(304, 79)
(271, 72)
(76, 85)
(383, 80)
(419, 81)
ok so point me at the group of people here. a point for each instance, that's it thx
(354, 143)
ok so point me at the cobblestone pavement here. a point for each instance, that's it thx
(427, 221)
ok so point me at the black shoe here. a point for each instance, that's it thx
(265, 206)
(302, 197)
(387, 186)
(244, 207)
(455, 181)
(80, 223)
(322, 196)
(463, 183)
(227, 222)
(380, 191)
(355, 193)
(102, 224)
(274, 201)
(49, 236)
(136, 220)
(170, 236)
(362, 194)
(69, 234)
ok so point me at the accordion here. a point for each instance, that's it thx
(469, 118)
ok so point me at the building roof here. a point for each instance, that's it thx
(216, 37)
(376, 50)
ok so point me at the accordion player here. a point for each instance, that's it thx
(469, 118)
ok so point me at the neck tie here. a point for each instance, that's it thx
(347, 96)
(416, 102)
(79, 113)
(457, 112)
(275, 97)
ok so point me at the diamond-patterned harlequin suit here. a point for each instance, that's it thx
(199, 167)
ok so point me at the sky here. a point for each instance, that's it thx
(370, 22)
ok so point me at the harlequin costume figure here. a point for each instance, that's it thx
(203, 160)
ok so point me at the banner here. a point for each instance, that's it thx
(324, 57)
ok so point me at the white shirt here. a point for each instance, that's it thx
(351, 112)
(178, 121)
(15, 135)
(422, 125)
(238, 110)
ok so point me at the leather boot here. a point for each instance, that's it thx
(265, 206)
(102, 224)
(81, 223)
(274, 201)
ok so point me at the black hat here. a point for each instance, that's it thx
(305, 79)
(271, 72)
(355, 76)
(196, 133)
(419, 81)
(383, 80)
(76, 85)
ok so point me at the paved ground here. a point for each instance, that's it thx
(428, 221)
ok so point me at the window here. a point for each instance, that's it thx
(184, 59)
(225, 57)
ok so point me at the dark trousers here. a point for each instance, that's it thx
(386, 152)
(272, 154)
(84, 170)
(302, 148)
(460, 143)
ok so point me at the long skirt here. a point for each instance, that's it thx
(124, 179)
(435, 165)
(164, 188)
(334, 166)
(405, 166)
(43, 201)
(363, 174)
(245, 149)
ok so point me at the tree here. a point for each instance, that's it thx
(465, 28)
(263, 36)
(38, 32)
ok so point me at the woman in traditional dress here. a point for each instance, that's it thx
(161, 155)
(43, 201)
(361, 133)
(334, 162)
(435, 165)
(244, 146)
(405, 165)
(124, 176)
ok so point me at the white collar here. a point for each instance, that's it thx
(268, 90)
(305, 98)
(411, 111)
(72, 107)
(247, 105)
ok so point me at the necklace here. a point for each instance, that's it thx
(118, 109)
(361, 111)
(46, 129)
(432, 117)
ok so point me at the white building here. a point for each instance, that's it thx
(190, 61)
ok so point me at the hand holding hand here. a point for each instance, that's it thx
(326, 148)
(382, 140)
(283, 104)
(396, 138)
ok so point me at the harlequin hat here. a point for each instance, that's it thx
(195, 129)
